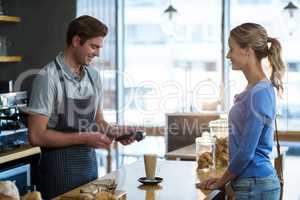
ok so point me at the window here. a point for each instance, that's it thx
(289, 112)
(255, 1)
(170, 74)
(294, 66)
(145, 34)
(144, 3)
(164, 75)
(106, 63)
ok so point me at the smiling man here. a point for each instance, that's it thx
(65, 112)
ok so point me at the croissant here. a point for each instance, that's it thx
(33, 196)
(85, 196)
(104, 196)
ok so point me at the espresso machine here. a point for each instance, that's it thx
(13, 129)
(13, 137)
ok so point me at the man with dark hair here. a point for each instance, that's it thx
(65, 112)
(86, 27)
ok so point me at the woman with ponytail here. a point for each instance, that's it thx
(251, 119)
(276, 64)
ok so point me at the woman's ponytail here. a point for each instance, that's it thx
(276, 64)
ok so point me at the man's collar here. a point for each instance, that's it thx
(67, 70)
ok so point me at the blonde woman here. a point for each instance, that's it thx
(252, 116)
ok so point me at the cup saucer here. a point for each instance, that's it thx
(147, 181)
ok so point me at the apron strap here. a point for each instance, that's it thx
(63, 85)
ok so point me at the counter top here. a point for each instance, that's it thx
(14, 154)
(179, 178)
(189, 153)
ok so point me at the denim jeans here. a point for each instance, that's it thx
(264, 188)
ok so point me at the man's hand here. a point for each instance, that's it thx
(97, 140)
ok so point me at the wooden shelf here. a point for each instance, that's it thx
(5, 18)
(10, 58)
(18, 153)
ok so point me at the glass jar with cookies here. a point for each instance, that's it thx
(205, 152)
(219, 130)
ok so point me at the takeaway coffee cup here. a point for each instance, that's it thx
(150, 165)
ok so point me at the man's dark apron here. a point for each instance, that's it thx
(62, 169)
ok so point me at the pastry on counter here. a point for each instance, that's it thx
(101, 185)
(108, 185)
(4, 197)
(33, 196)
(102, 189)
(104, 196)
(89, 189)
(8, 191)
(85, 196)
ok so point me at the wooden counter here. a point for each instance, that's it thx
(179, 178)
(18, 153)
(189, 153)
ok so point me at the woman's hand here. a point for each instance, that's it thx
(209, 184)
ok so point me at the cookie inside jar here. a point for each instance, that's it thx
(219, 130)
(205, 152)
